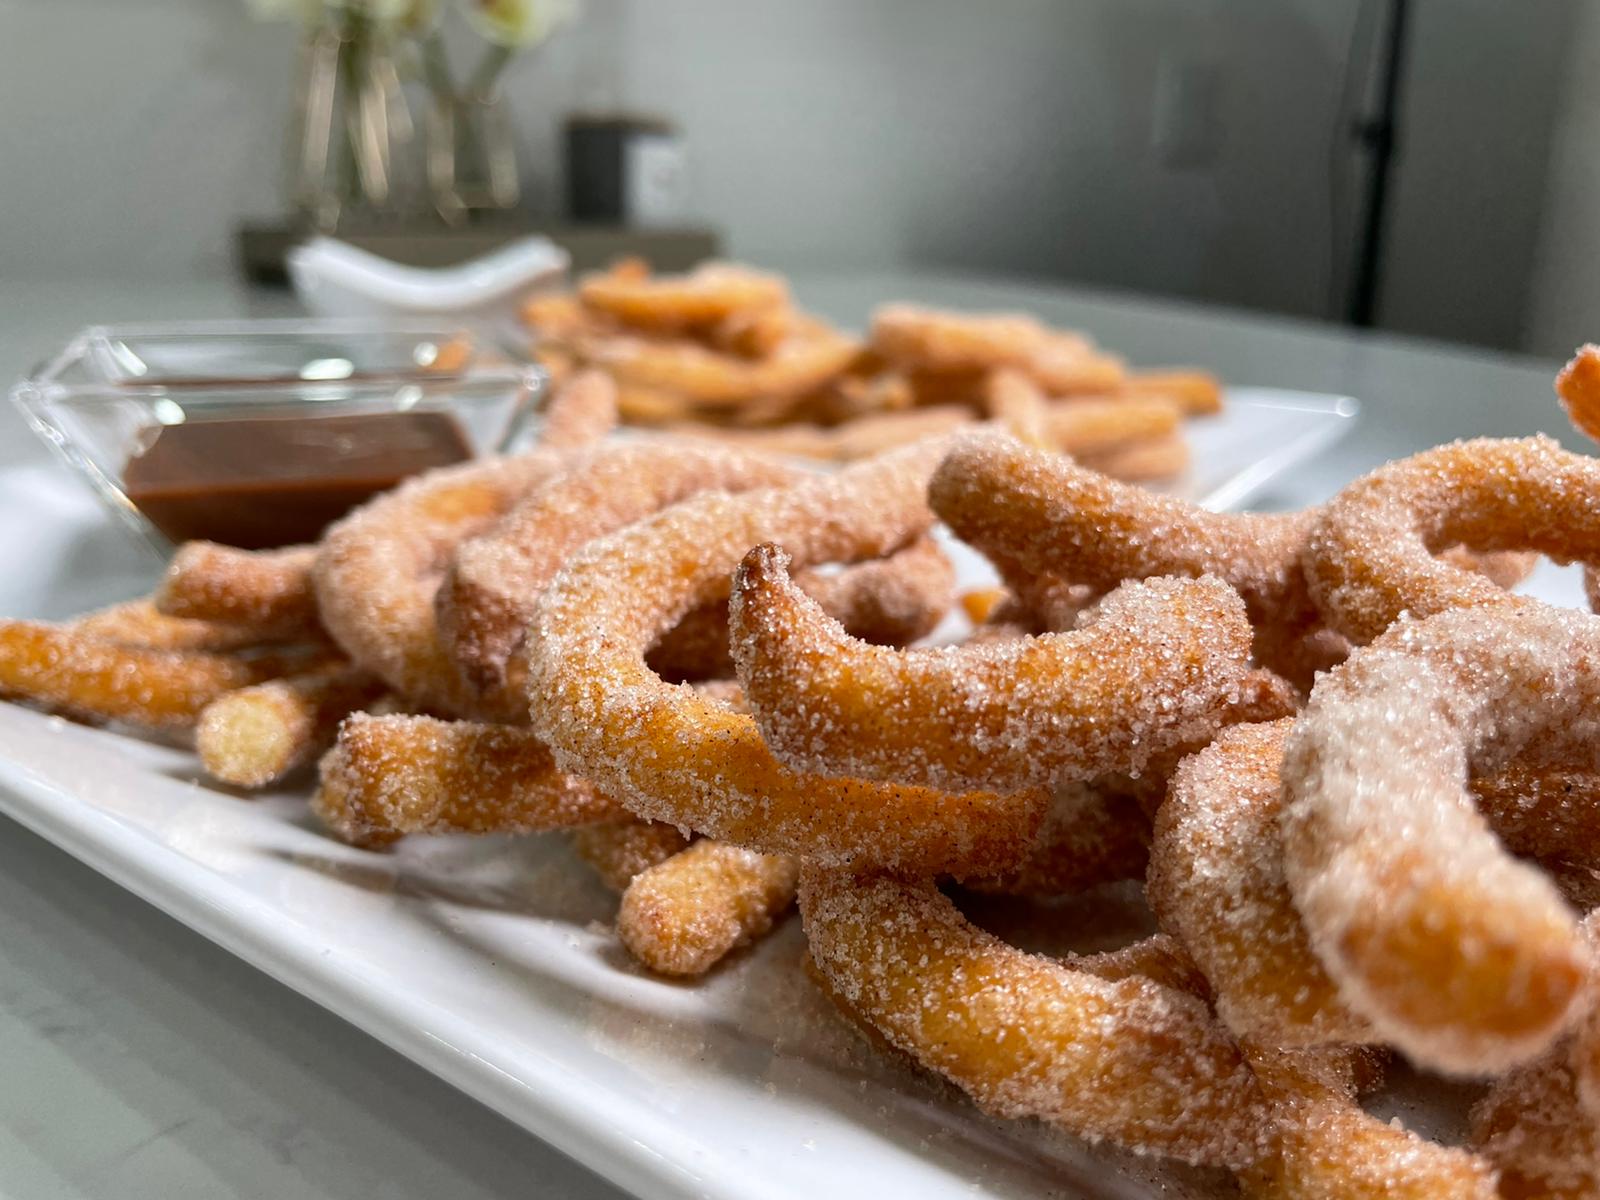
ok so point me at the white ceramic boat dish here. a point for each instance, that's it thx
(335, 279)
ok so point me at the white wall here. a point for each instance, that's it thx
(131, 130)
(1008, 135)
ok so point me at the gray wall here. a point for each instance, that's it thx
(1014, 135)
(1484, 91)
(1563, 308)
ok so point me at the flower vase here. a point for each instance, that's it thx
(351, 121)
(472, 155)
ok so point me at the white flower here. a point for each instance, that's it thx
(376, 10)
(519, 22)
(304, 11)
(419, 15)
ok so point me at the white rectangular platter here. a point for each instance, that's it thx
(490, 961)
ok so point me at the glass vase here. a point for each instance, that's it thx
(351, 125)
(472, 156)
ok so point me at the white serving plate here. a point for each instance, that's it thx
(490, 962)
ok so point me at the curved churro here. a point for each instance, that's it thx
(1133, 1062)
(1217, 881)
(674, 757)
(1043, 515)
(491, 586)
(1465, 959)
(1328, 1148)
(1152, 669)
(1217, 878)
(1369, 557)
(377, 571)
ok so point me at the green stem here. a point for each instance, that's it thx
(490, 65)
(349, 85)
(436, 69)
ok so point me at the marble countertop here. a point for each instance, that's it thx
(143, 1061)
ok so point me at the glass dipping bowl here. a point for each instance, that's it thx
(278, 426)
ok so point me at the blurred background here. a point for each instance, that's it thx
(1220, 151)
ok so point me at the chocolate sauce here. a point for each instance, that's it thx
(267, 481)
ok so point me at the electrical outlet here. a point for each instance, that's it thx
(1186, 117)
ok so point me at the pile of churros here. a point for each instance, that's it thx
(722, 352)
(1356, 773)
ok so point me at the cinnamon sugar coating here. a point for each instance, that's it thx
(388, 776)
(1152, 668)
(1464, 958)
(1134, 1062)
(672, 756)
(1370, 557)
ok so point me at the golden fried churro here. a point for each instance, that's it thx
(582, 410)
(672, 756)
(1217, 881)
(1328, 1148)
(1020, 406)
(1369, 557)
(801, 363)
(1578, 387)
(1197, 393)
(1465, 959)
(684, 915)
(623, 847)
(1136, 1063)
(266, 591)
(710, 293)
(258, 734)
(492, 584)
(928, 337)
(1049, 516)
(1153, 669)
(392, 775)
(378, 569)
(87, 677)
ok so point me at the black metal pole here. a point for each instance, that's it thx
(1377, 135)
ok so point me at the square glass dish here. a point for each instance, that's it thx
(259, 433)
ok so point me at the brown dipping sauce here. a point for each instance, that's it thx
(274, 481)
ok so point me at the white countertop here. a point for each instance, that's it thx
(142, 1061)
